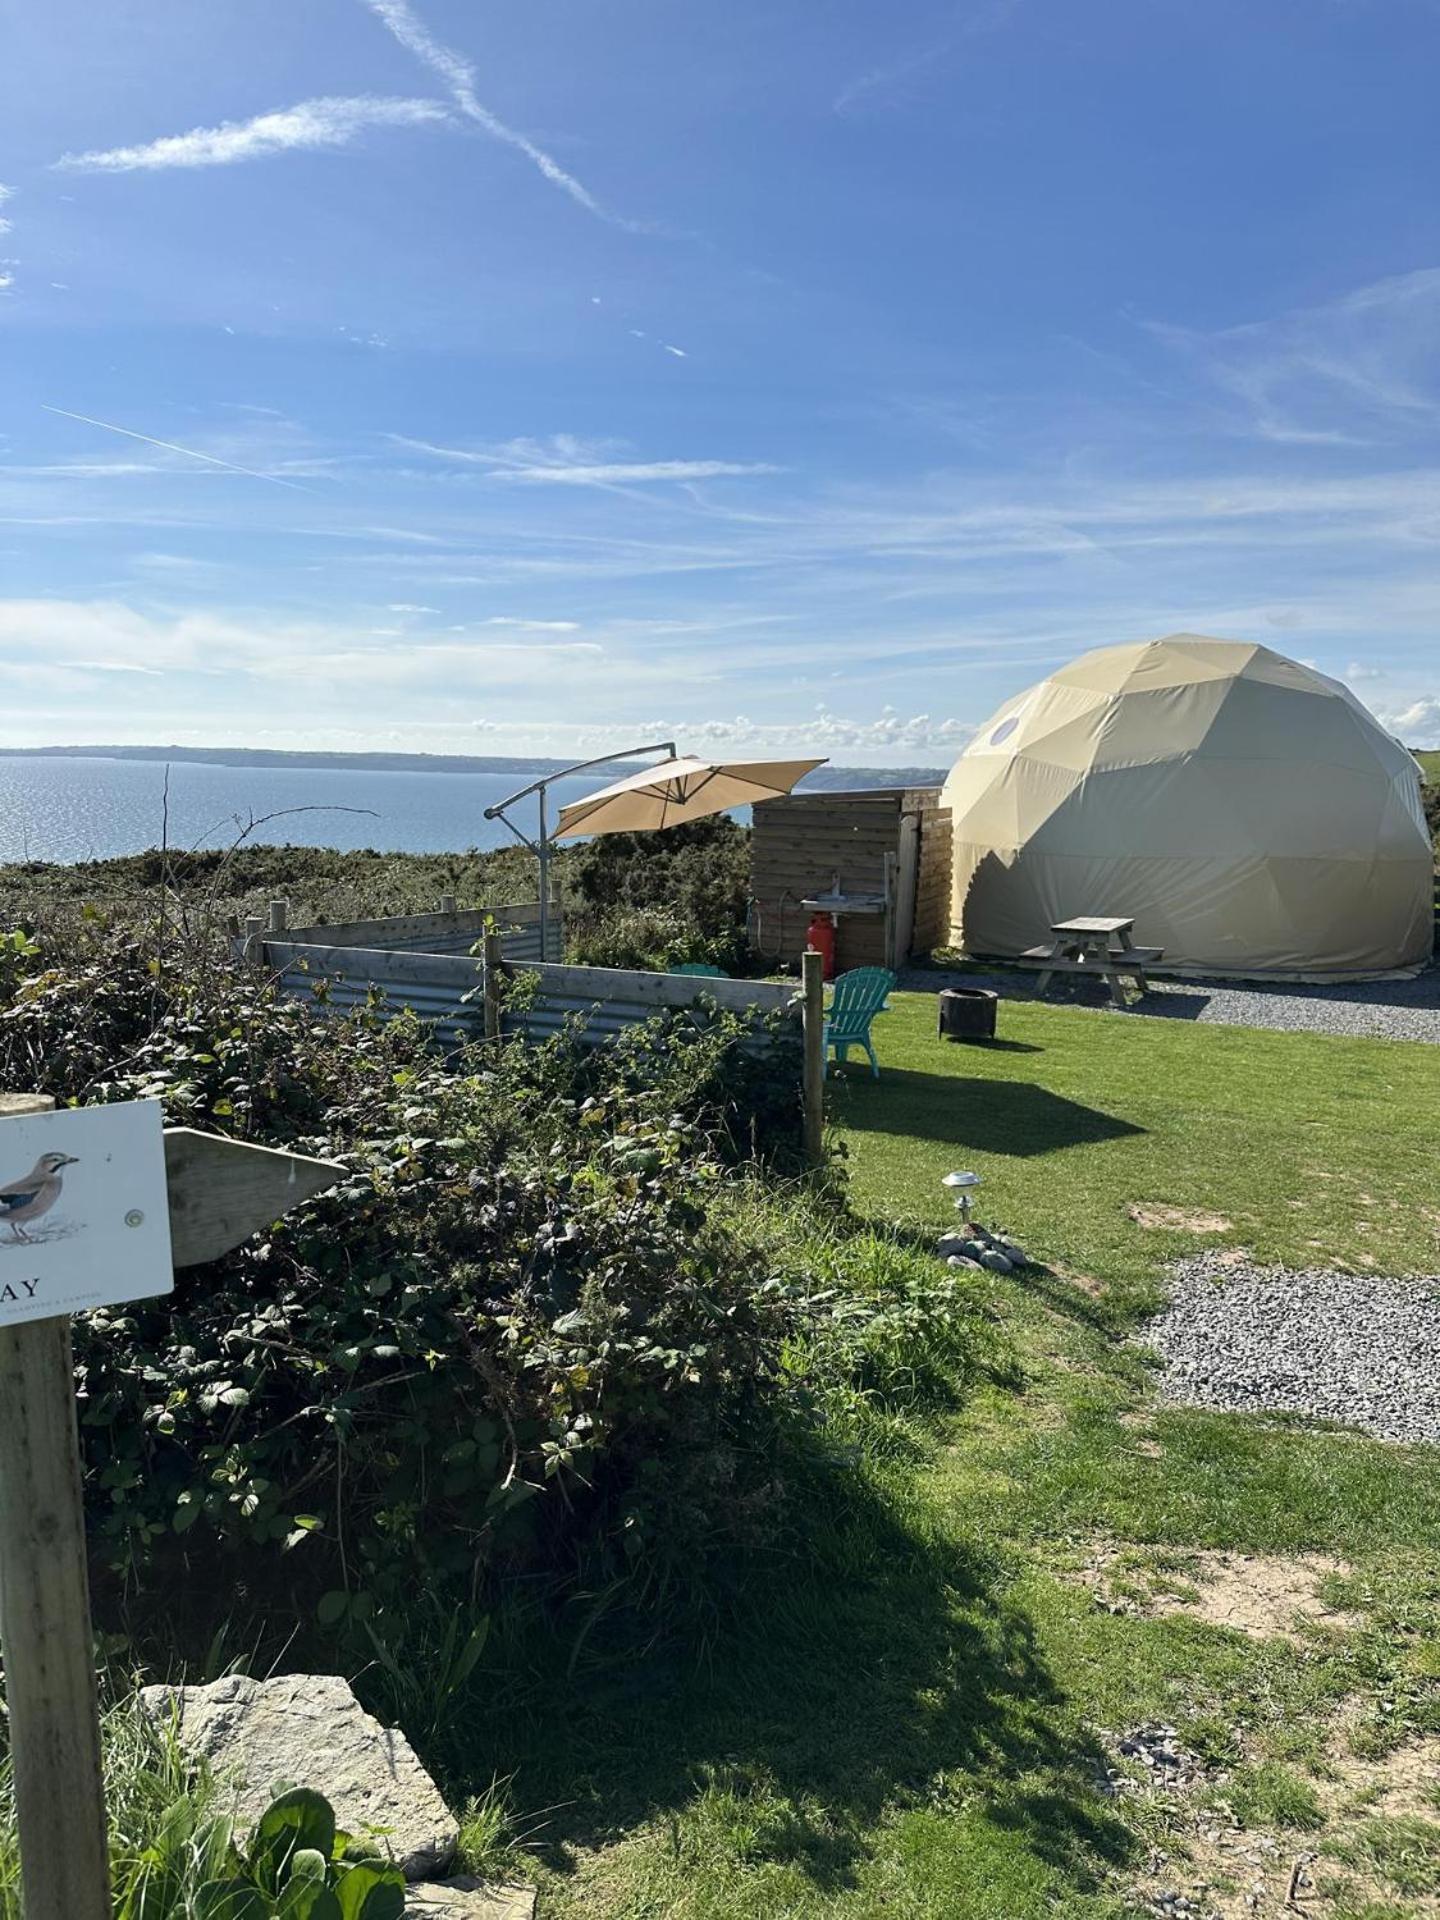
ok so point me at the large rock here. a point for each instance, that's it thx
(309, 1730)
(467, 1899)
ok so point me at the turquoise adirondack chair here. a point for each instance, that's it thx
(701, 970)
(858, 996)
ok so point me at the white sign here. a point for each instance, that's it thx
(84, 1211)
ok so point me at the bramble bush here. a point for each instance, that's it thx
(529, 1333)
(467, 1354)
(662, 899)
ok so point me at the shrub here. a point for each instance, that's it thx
(663, 898)
(532, 1331)
(514, 1335)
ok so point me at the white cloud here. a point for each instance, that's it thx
(6, 193)
(531, 626)
(1359, 670)
(889, 733)
(1360, 368)
(309, 126)
(408, 606)
(1418, 724)
(459, 76)
(883, 81)
(619, 473)
(565, 461)
(171, 446)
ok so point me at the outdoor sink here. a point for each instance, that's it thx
(845, 903)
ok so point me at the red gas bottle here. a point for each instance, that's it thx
(820, 934)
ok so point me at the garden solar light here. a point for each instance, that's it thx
(963, 1184)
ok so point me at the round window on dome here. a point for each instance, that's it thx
(1003, 732)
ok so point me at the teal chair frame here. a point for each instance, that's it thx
(857, 997)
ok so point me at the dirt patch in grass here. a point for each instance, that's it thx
(1267, 1596)
(1403, 1782)
(1152, 1213)
(1369, 1855)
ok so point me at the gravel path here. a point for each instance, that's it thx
(1351, 1347)
(1390, 1009)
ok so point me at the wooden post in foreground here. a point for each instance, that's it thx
(279, 915)
(812, 974)
(45, 1619)
(447, 903)
(211, 1193)
(493, 973)
(254, 940)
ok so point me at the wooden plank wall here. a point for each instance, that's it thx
(934, 887)
(801, 842)
(798, 845)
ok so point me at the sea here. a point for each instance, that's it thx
(69, 809)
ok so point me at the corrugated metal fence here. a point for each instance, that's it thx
(448, 988)
(448, 931)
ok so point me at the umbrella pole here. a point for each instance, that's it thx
(543, 851)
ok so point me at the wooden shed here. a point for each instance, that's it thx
(889, 845)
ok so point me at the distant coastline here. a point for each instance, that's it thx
(536, 767)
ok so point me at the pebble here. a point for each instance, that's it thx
(1359, 1349)
(979, 1246)
(1157, 1748)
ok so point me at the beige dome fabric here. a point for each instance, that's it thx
(1248, 811)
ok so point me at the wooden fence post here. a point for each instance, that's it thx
(254, 940)
(812, 973)
(45, 1619)
(493, 975)
(279, 915)
(447, 903)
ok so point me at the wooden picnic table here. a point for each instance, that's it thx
(1094, 944)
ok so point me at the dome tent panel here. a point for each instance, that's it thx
(1245, 810)
(1260, 721)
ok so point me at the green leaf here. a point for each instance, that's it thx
(331, 1607)
(298, 1819)
(309, 1521)
(231, 1900)
(307, 1900)
(371, 1893)
(470, 1653)
(187, 1511)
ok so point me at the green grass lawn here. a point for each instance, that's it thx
(1315, 1148)
(1430, 761)
(904, 1711)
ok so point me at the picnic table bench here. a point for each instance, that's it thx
(1093, 944)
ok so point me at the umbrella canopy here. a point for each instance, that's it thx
(674, 791)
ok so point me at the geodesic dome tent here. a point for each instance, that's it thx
(1248, 811)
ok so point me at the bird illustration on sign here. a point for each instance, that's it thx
(28, 1199)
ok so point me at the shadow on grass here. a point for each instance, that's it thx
(880, 1666)
(994, 1116)
(998, 1045)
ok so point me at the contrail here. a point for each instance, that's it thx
(170, 447)
(459, 75)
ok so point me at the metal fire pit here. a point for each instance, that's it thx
(967, 1013)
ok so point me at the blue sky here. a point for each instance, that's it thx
(540, 375)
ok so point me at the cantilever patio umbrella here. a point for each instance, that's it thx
(660, 796)
(674, 791)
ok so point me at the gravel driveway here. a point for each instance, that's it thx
(1342, 1346)
(1389, 1009)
